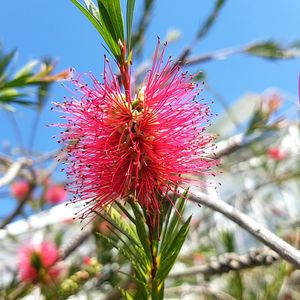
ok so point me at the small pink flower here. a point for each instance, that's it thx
(86, 260)
(198, 258)
(56, 194)
(36, 262)
(20, 189)
(276, 153)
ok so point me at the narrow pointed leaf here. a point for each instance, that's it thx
(141, 229)
(111, 43)
(5, 60)
(273, 50)
(93, 9)
(121, 227)
(209, 22)
(129, 19)
(113, 8)
(126, 250)
(125, 294)
(106, 21)
(174, 221)
(27, 69)
(123, 209)
(168, 259)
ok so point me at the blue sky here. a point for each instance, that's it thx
(57, 29)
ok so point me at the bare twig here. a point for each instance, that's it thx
(14, 171)
(285, 250)
(202, 31)
(231, 261)
(216, 55)
(18, 209)
(228, 146)
(202, 289)
(75, 243)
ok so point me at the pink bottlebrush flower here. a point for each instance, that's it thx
(20, 189)
(143, 146)
(276, 153)
(56, 194)
(37, 262)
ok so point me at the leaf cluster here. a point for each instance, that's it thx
(106, 16)
(151, 250)
(14, 87)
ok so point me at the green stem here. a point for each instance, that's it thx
(153, 239)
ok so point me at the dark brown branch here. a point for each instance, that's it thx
(196, 290)
(75, 243)
(231, 261)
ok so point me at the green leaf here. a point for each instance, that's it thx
(111, 18)
(257, 122)
(107, 22)
(13, 96)
(142, 292)
(113, 8)
(168, 258)
(199, 77)
(17, 82)
(27, 69)
(5, 61)
(16, 101)
(125, 294)
(174, 222)
(272, 288)
(165, 213)
(141, 229)
(141, 284)
(227, 239)
(101, 28)
(123, 209)
(129, 19)
(128, 252)
(273, 50)
(121, 227)
(90, 5)
(209, 22)
(135, 255)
